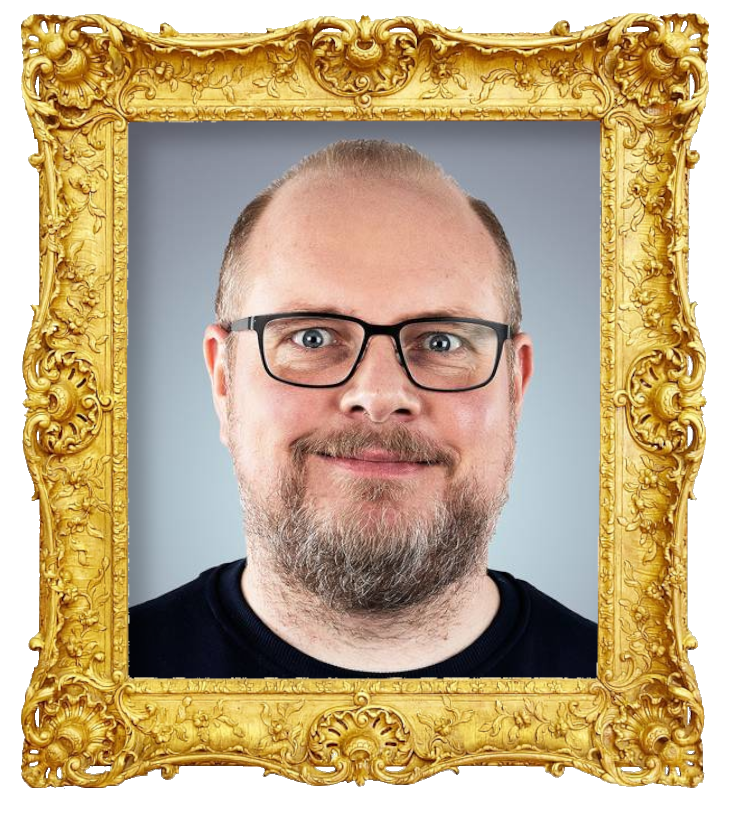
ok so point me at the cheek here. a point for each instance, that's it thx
(482, 429)
(270, 416)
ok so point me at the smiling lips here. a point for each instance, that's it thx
(378, 463)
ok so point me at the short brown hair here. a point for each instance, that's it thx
(367, 157)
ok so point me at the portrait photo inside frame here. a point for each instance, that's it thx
(580, 143)
(187, 185)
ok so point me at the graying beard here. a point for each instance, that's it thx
(364, 563)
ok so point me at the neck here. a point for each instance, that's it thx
(373, 641)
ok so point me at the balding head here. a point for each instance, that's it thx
(366, 159)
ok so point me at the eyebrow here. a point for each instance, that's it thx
(449, 311)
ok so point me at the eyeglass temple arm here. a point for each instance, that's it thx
(245, 324)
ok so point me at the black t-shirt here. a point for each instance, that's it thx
(206, 629)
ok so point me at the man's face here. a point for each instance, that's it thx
(375, 493)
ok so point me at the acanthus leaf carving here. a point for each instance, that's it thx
(72, 724)
(364, 59)
(653, 66)
(663, 401)
(67, 66)
(361, 742)
(66, 411)
(654, 735)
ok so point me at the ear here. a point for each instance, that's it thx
(214, 351)
(523, 368)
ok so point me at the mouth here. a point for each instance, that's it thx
(378, 463)
(379, 456)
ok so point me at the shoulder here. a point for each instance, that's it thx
(165, 633)
(553, 639)
(177, 607)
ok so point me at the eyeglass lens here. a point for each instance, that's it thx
(440, 354)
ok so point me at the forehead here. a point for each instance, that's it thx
(380, 248)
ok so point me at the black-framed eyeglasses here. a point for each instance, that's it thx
(313, 349)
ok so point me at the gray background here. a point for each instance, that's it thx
(187, 185)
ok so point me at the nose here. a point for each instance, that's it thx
(380, 388)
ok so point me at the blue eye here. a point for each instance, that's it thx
(442, 342)
(312, 337)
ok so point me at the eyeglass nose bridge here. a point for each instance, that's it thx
(383, 330)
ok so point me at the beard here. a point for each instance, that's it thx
(375, 553)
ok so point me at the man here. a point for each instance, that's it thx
(368, 372)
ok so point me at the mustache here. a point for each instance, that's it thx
(405, 444)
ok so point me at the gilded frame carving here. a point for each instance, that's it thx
(84, 79)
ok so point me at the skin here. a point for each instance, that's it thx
(382, 251)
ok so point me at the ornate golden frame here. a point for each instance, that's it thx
(84, 79)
